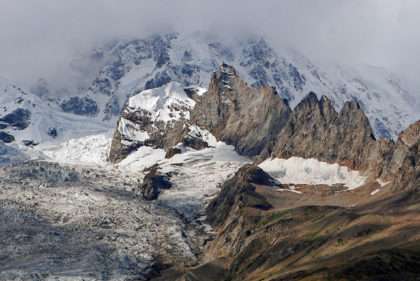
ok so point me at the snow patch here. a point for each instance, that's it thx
(89, 150)
(167, 103)
(131, 131)
(203, 134)
(145, 157)
(197, 176)
(375, 191)
(296, 170)
(382, 183)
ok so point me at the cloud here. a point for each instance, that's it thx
(40, 37)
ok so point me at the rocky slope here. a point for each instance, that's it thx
(266, 230)
(316, 233)
(28, 120)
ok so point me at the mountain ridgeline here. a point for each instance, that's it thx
(264, 234)
(259, 124)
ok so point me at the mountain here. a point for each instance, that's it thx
(28, 120)
(230, 160)
(131, 66)
(241, 115)
(154, 118)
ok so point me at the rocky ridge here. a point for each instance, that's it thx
(131, 66)
(264, 234)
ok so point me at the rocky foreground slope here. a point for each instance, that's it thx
(316, 233)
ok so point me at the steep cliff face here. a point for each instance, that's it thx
(403, 165)
(238, 114)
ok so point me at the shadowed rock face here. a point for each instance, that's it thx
(316, 130)
(6, 138)
(246, 117)
(239, 192)
(153, 183)
(19, 118)
(80, 106)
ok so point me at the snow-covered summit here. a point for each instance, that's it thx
(155, 118)
(167, 103)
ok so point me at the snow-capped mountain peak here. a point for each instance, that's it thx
(189, 59)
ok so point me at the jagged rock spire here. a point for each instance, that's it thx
(316, 130)
(239, 114)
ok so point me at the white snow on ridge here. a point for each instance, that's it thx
(296, 170)
(167, 103)
(143, 158)
(131, 131)
(205, 135)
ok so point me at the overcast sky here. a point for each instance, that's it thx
(38, 37)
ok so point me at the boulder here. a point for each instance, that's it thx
(6, 138)
(153, 183)
(19, 118)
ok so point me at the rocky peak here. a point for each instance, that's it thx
(238, 114)
(316, 130)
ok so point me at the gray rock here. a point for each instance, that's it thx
(80, 106)
(6, 138)
(238, 114)
(52, 132)
(316, 130)
(153, 183)
(19, 118)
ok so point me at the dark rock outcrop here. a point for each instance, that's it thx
(19, 118)
(134, 120)
(153, 183)
(239, 192)
(80, 106)
(6, 138)
(402, 164)
(172, 152)
(52, 132)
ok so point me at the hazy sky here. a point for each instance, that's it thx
(39, 37)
